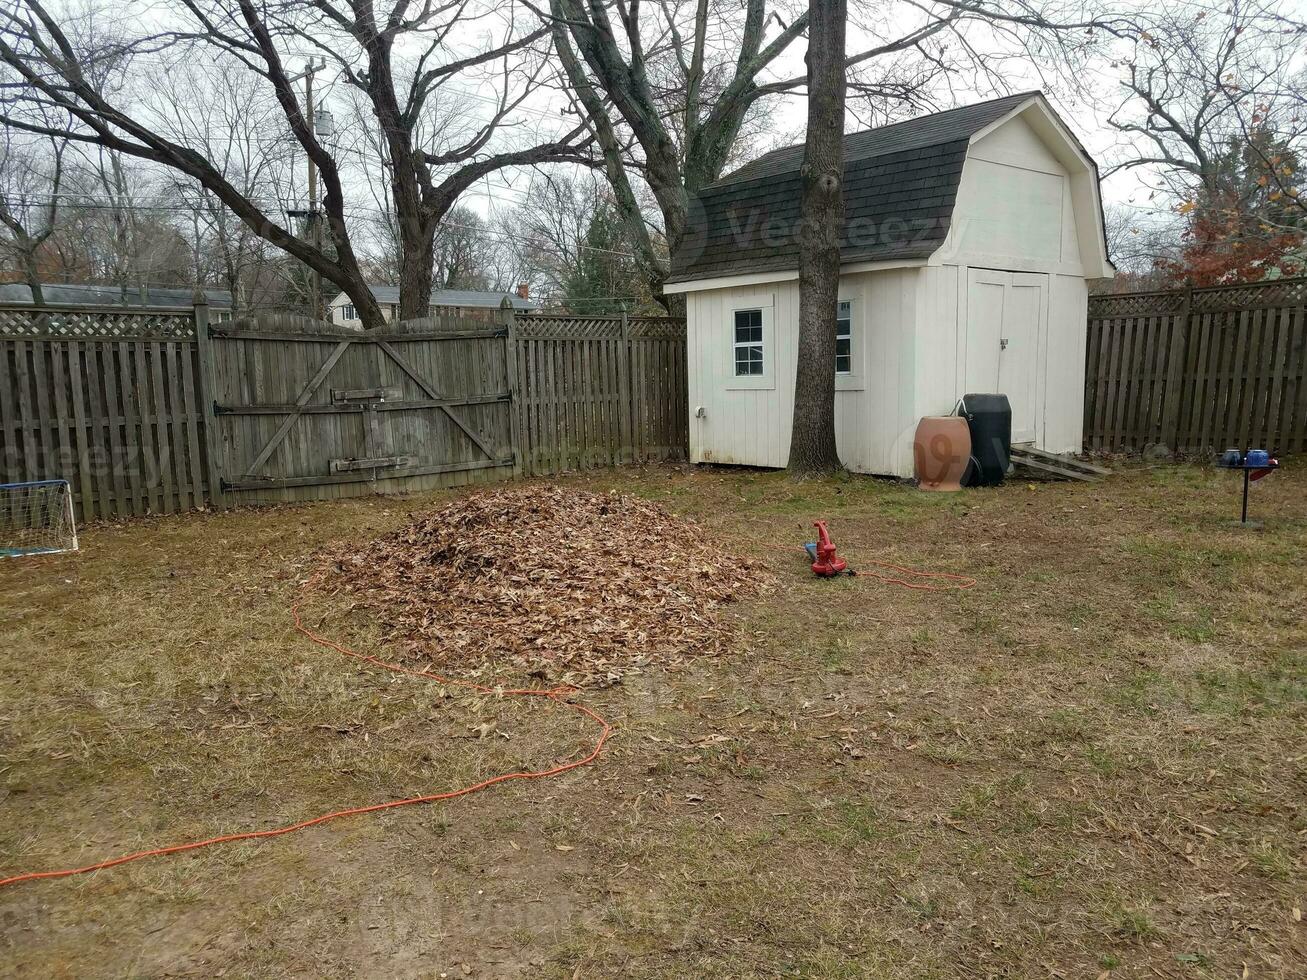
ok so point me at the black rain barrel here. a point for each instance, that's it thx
(989, 417)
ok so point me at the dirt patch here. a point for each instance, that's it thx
(583, 585)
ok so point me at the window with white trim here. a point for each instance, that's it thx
(347, 313)
(844, 338)
(748, 343)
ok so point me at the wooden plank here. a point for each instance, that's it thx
(624, 386)
(26, 418)
(190, 401)
(1147, 427)
(409, 405)
(119, 456)
(1120, 423)
(337, 478)
(1274, 382)
(1242, 365)
(535, 438)
(549, 421)
(239, 333)
(101, 462)
(63, 418)
(76, 385)
(1092, 341)
(1269, 322)
(1213, 419)
(151, 480)
(1299, 425)
(43, 399)
(9, 417)
(513, 382)
(177, 410)
(159, 419)
(1104, 384)
(1296, 396)
(1022, 459)
(1204, 386)
(215, 446)
(122, 352)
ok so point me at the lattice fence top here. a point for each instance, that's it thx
(661, 328)
(1280, 292)
(548, 326)
(1207, 299)
(73, 322)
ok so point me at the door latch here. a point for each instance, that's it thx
(1002, 343)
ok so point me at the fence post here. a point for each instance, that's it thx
(1173, 411)
(515, 406)
(207, 392)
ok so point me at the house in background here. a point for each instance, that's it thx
(969, 238)
(85, 294)
(457, 302)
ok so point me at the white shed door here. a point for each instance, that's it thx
(1005, 320)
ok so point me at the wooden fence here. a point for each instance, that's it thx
(154, 411)
(1198, 370)
(598, 391)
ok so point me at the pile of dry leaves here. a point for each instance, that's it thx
(584, 585)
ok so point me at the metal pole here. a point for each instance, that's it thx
(1244, 518)
(315, 280)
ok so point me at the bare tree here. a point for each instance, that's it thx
(669, 88)
(228, 118)
(812, 438)
(1201, 78)
(399, 59)
(31, 180)
(1215, 108)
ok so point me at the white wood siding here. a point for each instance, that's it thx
(747, 421)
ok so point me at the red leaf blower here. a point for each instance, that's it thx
(822, 551)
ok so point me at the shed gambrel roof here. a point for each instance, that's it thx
(900, 187)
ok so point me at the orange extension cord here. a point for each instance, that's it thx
(956, 583)
(555, 694)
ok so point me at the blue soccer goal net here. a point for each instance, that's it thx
(36, 518)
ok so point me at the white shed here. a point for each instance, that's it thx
(968, 240)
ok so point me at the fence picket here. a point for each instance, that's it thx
(1199, 369)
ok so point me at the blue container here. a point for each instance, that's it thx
(1257, 457)
(1232, 457)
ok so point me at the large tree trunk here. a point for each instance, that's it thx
(812, 439)
(416, 273)
(32, 272)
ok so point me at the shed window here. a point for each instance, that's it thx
(347, 313)
(844, 338)
(748, 342)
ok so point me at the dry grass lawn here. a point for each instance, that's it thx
(1092, 764)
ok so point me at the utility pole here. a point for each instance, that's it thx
(312, 226)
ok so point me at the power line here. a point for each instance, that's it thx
(355, 210)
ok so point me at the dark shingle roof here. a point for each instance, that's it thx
(83, 294)
(900, 186)
(469, 298)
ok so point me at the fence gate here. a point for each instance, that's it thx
(304, 409)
